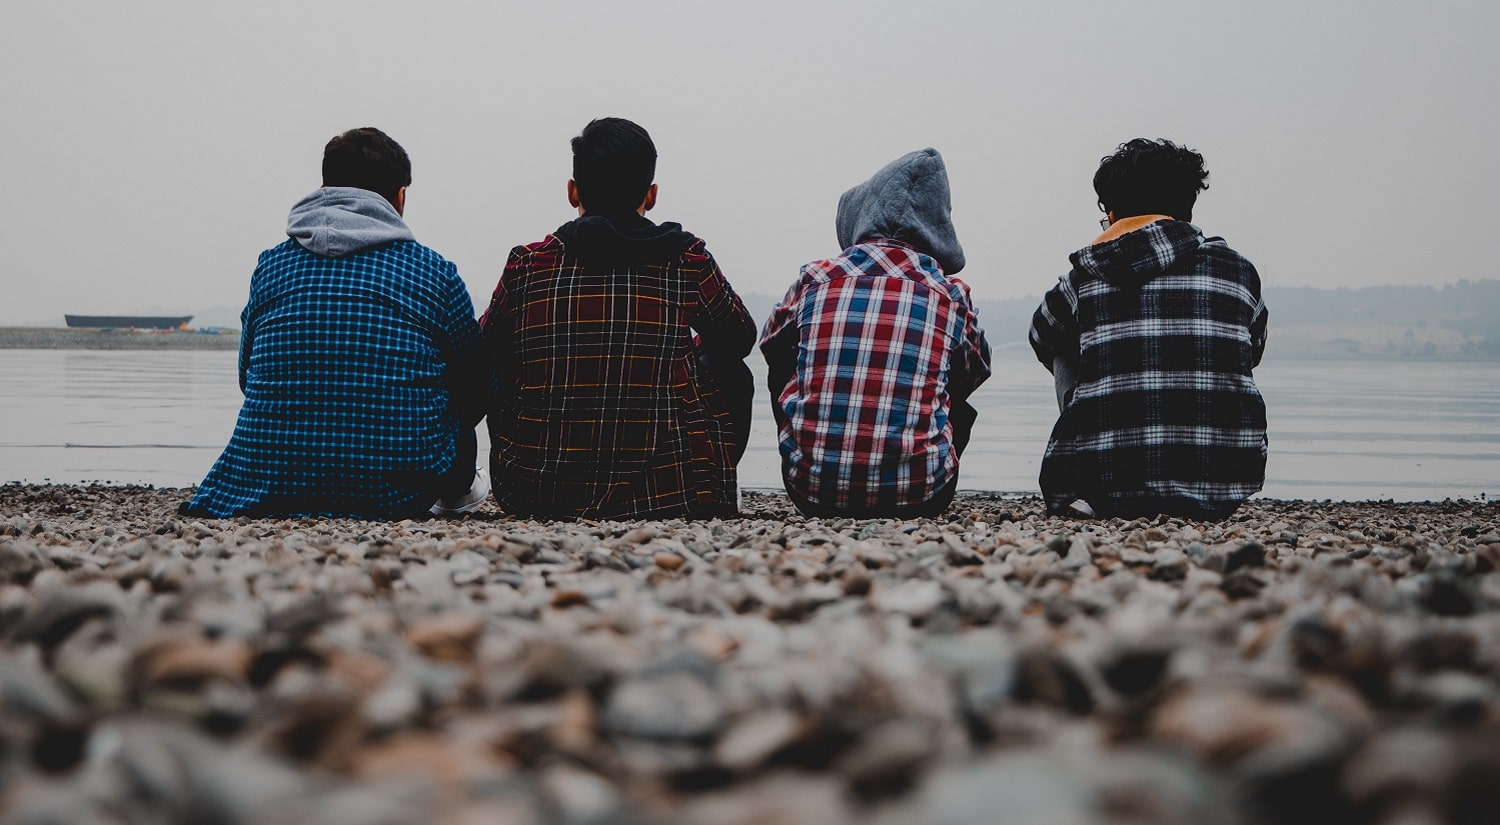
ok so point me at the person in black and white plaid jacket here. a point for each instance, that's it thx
(1152, 337)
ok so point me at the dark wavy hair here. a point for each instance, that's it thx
(1151, 177)
(614, 162)
(367, 159)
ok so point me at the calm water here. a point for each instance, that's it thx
(1340, 430)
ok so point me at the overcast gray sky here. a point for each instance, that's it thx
(152, 149)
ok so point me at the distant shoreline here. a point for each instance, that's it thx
(55, 338)
(113, 339)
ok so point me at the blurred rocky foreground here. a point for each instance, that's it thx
(1301, 663)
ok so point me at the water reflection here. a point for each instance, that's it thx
(1342, 430)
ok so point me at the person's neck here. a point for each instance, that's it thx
(1124, 226)
(618, 218)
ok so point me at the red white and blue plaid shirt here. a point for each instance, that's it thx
(862, 351)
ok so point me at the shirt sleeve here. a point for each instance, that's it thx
(970, 365)
(1054, 326)
(468, 374)
(1258, 316)
(1258, 334)
(247, 325)
(497, 325)
(781, 338)
(247, 335)
(722, 322)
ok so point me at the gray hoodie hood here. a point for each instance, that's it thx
(907, 201)
(336, 221)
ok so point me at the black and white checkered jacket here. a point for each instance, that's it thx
(1162, 328)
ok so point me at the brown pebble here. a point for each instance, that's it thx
(574, 732)
(1223, 726)
(450, 637)
(192, 659)
(451, 765)
(668, 561)
(713, 643)
(856, 581)
(752, 740)
(639, 535)
(563, 599)
(364, 672)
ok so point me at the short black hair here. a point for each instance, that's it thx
(1151, 177)
(367, 159)
(614, 162)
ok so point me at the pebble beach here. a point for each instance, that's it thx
(1301, 662)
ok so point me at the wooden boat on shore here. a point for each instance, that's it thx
(128, 321)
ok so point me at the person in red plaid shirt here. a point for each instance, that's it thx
(873, 354)
(610, 407)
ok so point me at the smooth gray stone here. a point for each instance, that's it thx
(28, 692)
(1016, 787)
(62, 610)
(677, 705)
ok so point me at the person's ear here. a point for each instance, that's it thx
(573, 199)
(649, 202)
(400, 203)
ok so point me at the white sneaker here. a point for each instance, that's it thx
(468, 502)
(1081, 509)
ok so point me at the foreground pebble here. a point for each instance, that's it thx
(1317, 663)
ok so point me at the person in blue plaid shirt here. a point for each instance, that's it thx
(1151, 338)
(360, 361)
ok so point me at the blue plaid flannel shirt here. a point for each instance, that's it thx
(358, 374)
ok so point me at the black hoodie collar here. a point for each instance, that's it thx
(625, 240)
(1136, 257)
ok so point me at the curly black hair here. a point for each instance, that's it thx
(1151, 177)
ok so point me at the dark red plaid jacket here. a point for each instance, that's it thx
(602, 413)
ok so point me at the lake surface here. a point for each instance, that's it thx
(1352, 430)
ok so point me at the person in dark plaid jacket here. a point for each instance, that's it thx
(1152, 337)
(872, 354)
(360, 359)
(610, 406)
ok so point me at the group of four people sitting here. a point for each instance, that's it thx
(610, 362)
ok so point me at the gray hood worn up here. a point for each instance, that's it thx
(907, 201)
(336, 221)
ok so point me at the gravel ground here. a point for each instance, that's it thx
(1300, 663)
